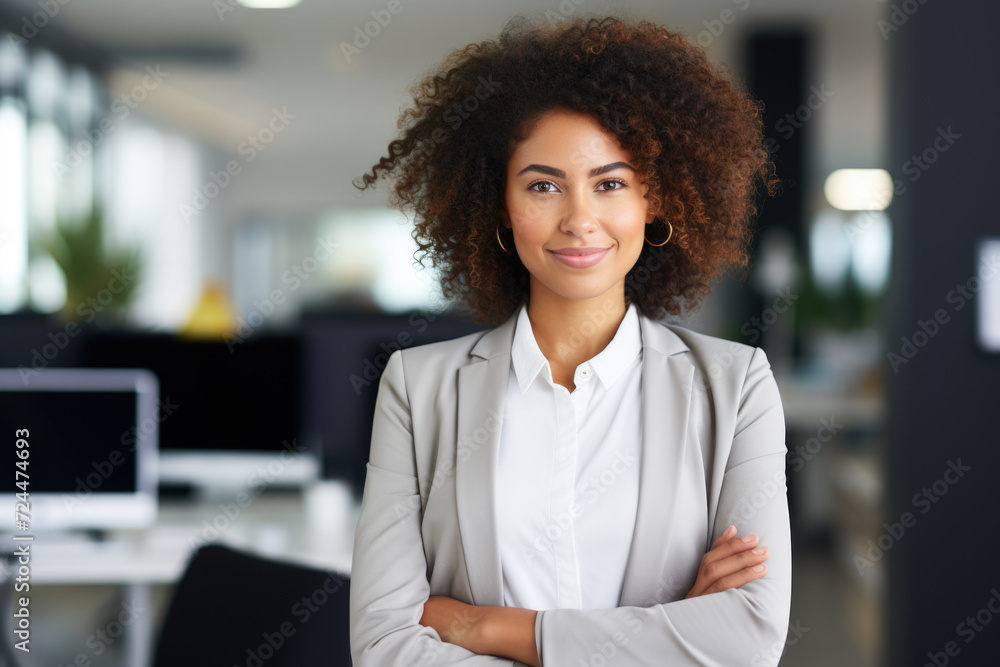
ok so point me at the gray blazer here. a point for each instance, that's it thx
(712, 454)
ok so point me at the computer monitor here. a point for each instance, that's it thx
(235, 407)
(346, 353)
(91, 442)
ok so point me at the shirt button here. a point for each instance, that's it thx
(584, 372)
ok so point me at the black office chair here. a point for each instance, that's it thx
(237, 608)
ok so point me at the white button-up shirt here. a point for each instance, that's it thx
(568, 479)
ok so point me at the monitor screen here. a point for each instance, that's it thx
(83, 427)
(220, 397)
(89, 437)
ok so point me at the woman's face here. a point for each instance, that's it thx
(570, 185)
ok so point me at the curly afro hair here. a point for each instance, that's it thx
(694, 132)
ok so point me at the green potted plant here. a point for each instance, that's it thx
(99, 285)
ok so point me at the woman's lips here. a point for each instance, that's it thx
(581, 261)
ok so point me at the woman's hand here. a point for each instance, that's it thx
(730, 564)
(455, 621)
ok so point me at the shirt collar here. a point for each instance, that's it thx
(609, 363)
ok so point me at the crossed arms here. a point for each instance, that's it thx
(739, 626)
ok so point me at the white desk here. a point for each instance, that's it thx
(313, 528)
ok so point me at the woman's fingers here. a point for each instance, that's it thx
(722, 567)
(730, 564)
(723, 548)
(737, 579)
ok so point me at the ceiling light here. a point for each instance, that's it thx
(859, 189)
(268, 4)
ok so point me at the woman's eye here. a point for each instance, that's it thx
(546, 186)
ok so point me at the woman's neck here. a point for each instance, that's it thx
(571, 331)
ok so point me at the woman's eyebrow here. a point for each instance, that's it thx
(559, 173)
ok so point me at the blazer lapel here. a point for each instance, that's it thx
(482, 389)
(667, 382)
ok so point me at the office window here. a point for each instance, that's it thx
(13, 205)
(150, 170)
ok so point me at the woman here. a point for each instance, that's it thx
(568, 487)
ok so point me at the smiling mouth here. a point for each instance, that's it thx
(579, 252)
(581, 258)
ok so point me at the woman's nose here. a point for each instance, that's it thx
(579, 215)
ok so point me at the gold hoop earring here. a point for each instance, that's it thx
(501, 242)
(671, 233)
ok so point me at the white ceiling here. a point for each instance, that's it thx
(345, 113)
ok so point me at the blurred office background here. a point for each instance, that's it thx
(175, 195)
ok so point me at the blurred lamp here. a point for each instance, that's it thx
(859, 189)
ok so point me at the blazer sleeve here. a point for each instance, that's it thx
(389, 583)
(740, 626)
